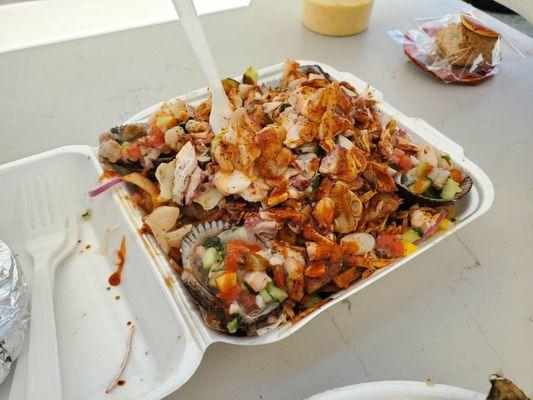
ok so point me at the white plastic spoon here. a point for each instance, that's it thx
(220, 107)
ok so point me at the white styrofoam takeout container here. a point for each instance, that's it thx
(170, 336)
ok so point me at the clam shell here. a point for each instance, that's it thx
(197, 236)
(410, 197)
(213, 309)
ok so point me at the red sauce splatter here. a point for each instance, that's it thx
(114, 280)
(121, 382)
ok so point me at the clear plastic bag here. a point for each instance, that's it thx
(457, 48)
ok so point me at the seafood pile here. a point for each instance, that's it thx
(308, 190)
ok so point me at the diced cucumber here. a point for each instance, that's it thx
(250, 76)
(209, 258)
(410, 236)
(276, 292)
(421, 169)
(232, 325)
(450, 189)
(426, 184)
(265, 295)
(212, 283)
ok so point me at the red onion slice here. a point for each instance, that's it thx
(432, 228)
(104, 187)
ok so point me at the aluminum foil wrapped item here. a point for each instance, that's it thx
(14, 315)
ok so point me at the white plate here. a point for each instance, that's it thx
(170, 337)
(398, 390)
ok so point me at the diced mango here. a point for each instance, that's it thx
(408, 248)
(226, 281)
(445, 224)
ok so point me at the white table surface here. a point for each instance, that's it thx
(457, 313)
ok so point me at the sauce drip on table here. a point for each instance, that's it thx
(114, 279)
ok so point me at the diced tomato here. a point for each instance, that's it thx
(247, 300)
(156, 140)
(230, 295)
(405, 163)
(391, 243)
(456, 176)
(226, 281)
(133, 152)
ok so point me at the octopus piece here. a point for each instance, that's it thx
(331, 125)
(380, 205)
(279, 194)
(381, 178)
(174, 138)
(357, 244)
(165, 176)
(404, 142)
(274, 157)
(186, 164)
(236, 150)
(233, 182)
(318, 246)
(385, 144)
(295, 278)
(299, 130)
(348, 208)
(345, 162)
(208, 197)
(200, 131)
(194, 185)
(324, 212)
(257, 191)
(360, 139)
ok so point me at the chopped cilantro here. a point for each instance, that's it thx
(215, 243)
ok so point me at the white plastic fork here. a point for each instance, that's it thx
(47, 222)
(18, 387)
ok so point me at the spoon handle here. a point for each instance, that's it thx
(221, 108)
